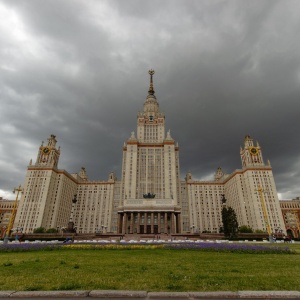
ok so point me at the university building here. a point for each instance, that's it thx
(150, 197)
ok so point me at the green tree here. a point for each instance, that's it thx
(260, 231)
(51, 230)
(39, 230)
(245, 229)
(230, 223)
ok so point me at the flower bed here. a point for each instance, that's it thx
(208, 247)
(22, 247)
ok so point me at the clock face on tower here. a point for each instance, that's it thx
(46, 150)
(253, 151)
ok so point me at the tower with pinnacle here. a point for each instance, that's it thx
(48, 155)
(251, 155)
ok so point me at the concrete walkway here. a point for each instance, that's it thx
(143, 295)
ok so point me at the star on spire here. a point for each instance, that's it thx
(151, 90)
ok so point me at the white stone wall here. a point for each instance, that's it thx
(94, 207)
(46, 200)
(241, 190)
(205, 206)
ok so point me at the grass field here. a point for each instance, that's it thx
(149, 270)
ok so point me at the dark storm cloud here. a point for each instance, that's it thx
(78, 69)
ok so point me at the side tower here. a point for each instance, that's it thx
(251, 155)
(48, 155)
(150, 175)
(48, 192)
(252, 192)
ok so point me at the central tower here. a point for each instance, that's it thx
(150, 169)
(151, 122)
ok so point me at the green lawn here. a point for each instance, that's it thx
(149, 270)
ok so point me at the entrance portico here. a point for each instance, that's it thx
(149, 216)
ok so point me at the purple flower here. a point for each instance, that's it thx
(27, 247)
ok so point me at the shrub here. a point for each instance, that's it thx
(245, 229)
(39, 230)
(51, 230)
(260, 231)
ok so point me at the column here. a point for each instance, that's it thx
(172, 227)
(145, 222)
(178, 223)
(139, 223)
(131, 223)
(124, 223)
(158, 222)
(166, 222)
(120, 221)
(152, 222)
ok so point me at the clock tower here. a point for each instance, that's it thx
(251, 155)
(48, 155)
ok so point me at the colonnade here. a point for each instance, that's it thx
(149, 222)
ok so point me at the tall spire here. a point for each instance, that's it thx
(151, 90)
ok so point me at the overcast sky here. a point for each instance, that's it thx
(78, 69)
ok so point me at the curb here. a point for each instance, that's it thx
(111, 294)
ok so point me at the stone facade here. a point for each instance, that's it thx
(6, 208)
(291, 215)
(150, 198)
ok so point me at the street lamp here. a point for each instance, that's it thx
(19, 229)
(70, 228)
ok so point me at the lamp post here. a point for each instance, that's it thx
(71, 228)
(74, 200)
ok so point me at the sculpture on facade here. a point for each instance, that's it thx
(149, 196)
